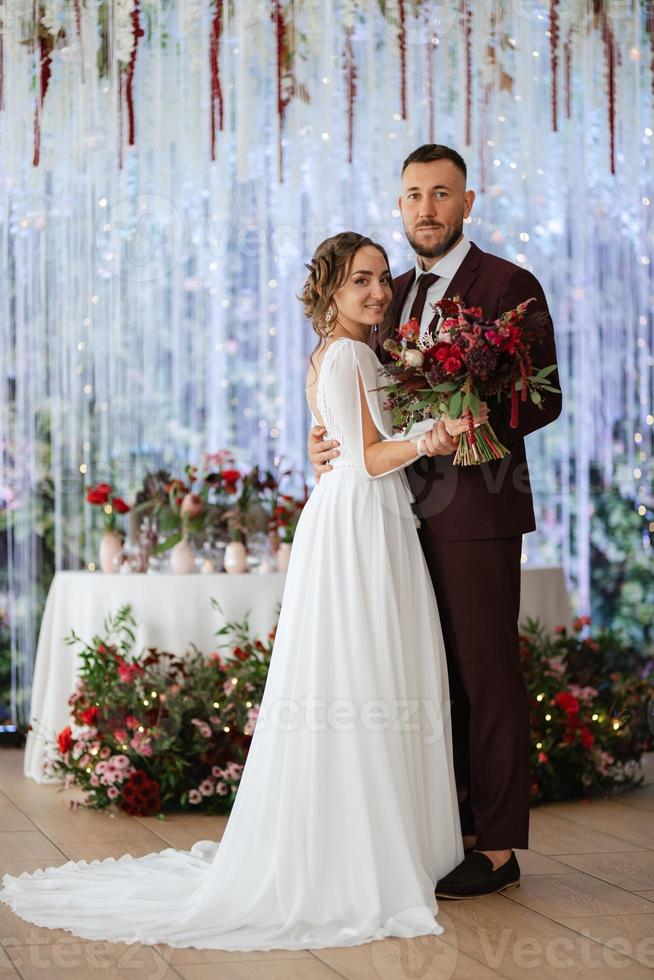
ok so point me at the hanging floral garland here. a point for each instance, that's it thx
(47, 33)
(214, 73)
(554, 60)
(137, 32)
(610, 54)
(118, 30)
(351, 88)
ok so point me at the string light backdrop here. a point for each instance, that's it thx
(166, 168)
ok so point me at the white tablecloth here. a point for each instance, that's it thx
(174, 610)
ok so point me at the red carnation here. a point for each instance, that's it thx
(140, 795)
(65, 740)
(230, 476)
(120, 506)
(568, 702)
(587, 738)
(89, 715)
(103, 488)
(241, 654)
(454, 363)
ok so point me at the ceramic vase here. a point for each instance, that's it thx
(111, 546)
(235, 558)
(182, 558)
(283, 556)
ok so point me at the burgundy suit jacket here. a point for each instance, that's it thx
(493, 500)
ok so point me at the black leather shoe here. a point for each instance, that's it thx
(475, 877)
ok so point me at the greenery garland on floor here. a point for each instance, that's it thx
(155, 731)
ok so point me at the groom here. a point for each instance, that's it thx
(472, 522)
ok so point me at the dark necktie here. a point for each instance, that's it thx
(426, 280)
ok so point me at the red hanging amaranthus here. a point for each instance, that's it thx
(214, 74)
(610, 54)
(466, 28)
(568, 74)
(2, 67)
(554, 60)
(401, 40)
(351, 87)
(650, 30)
(45, 48)
(129, 85)
(285, 80)
(78, 28)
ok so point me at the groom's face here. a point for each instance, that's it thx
(434, 203)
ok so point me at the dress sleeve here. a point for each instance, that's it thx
(351, 362)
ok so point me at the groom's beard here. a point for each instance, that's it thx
(435, 251)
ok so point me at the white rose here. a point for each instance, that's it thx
(413, 358)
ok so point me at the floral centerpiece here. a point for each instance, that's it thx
(590, 696)
(155, 731)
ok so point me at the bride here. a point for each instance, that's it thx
(346, 814)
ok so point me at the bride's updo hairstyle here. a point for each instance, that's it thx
(328, 271)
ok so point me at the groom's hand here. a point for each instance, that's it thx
(321, 451)
(438, 441)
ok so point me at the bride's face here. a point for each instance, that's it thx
(367, 292)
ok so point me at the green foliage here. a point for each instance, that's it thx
(622, 559)
(589, 697)
(172, 730)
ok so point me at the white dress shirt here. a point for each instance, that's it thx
(446, 268)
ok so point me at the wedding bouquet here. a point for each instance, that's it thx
(467, 360)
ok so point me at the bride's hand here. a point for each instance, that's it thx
(456, 427)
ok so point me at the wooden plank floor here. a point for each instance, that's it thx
(585, 908)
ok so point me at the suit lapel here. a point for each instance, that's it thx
(463, 279)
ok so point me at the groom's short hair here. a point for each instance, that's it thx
(436, 151)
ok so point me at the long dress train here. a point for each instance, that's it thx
(346, 814)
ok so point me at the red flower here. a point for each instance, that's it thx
(120, 506)
(96, 497)
(568, 702)
(587, 738)
(140, 795)
(65, 740)
(89, 715)
(127, 672)
(559, 630)
(103, 488)
(448, 307)
(230, 476)
(241, 654)
(453, 364)
(543, 757)
(410, 330)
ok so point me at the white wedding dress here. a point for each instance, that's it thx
(346, 814)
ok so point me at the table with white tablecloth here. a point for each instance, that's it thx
(171, 612)
(174, 611)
